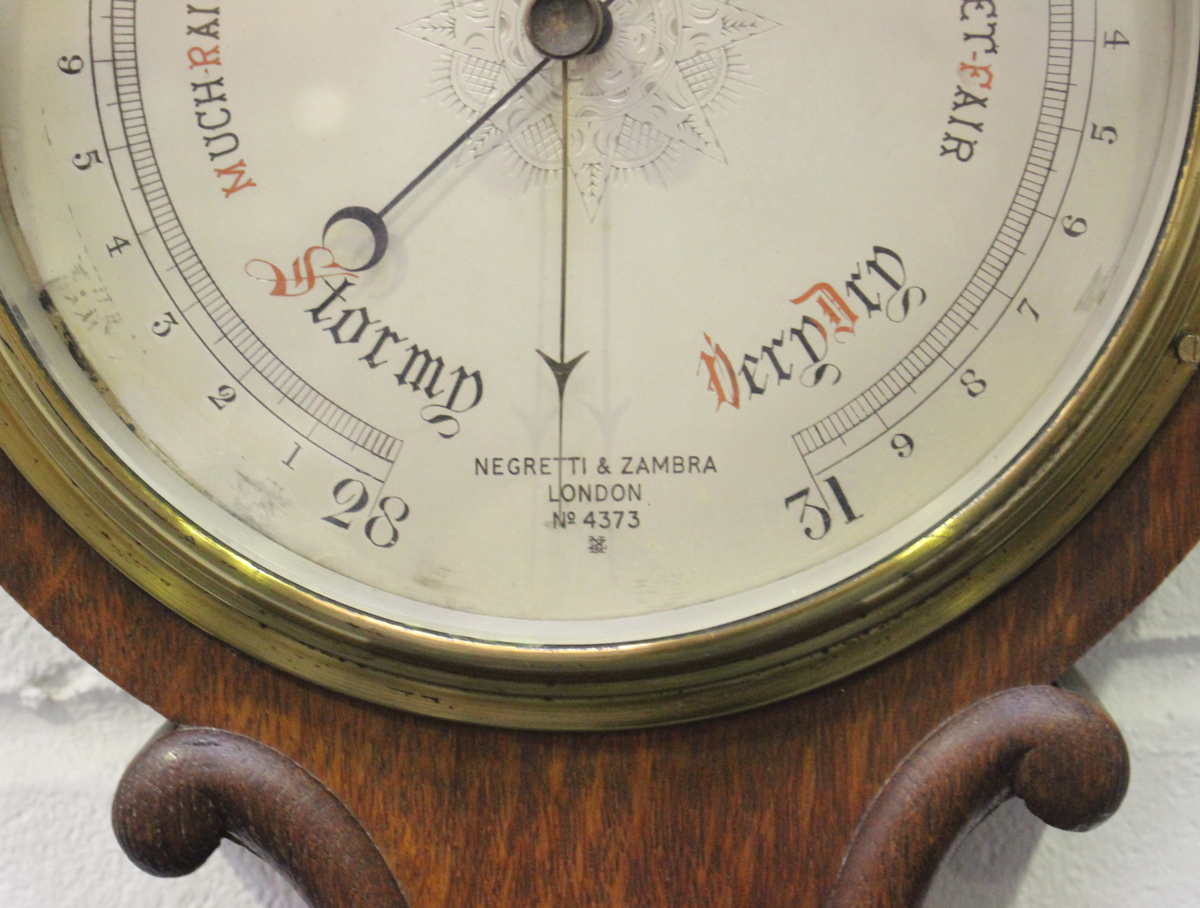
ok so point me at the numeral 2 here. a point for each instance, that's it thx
(223, 398)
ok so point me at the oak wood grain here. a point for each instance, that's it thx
(755, 809)
(191, 787)
(1060, 753)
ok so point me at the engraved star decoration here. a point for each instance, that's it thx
(635, 105)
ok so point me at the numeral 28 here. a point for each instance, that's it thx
(381, 530)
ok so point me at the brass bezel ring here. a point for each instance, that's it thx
(1074, 460)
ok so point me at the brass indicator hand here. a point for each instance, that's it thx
(559, 29)
(561, 367)
(565, 29)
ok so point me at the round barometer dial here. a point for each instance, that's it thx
(574, 363)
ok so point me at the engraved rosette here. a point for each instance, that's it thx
(632, 105)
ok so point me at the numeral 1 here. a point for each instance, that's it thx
(292, 457)
(839, 496)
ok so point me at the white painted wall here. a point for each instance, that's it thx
(66, 735)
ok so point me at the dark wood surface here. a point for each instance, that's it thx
(191, 787)
(755, 809)
(1061, 754)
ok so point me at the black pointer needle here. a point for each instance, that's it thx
(559, 29)
(373, 220)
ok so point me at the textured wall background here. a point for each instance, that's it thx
(66, 735)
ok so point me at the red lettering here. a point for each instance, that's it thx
(305, 272)
(969, 72)
(722, 380)
(835, 309)
(240, 180)
(198, 56)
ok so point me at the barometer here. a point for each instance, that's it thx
(577, 364)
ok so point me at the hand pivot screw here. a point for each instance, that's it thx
(567, 28)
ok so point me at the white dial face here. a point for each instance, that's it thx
(768, 291)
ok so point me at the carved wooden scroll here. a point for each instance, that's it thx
(192, 787)
(1060, 753)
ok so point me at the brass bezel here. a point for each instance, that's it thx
(989, 541)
